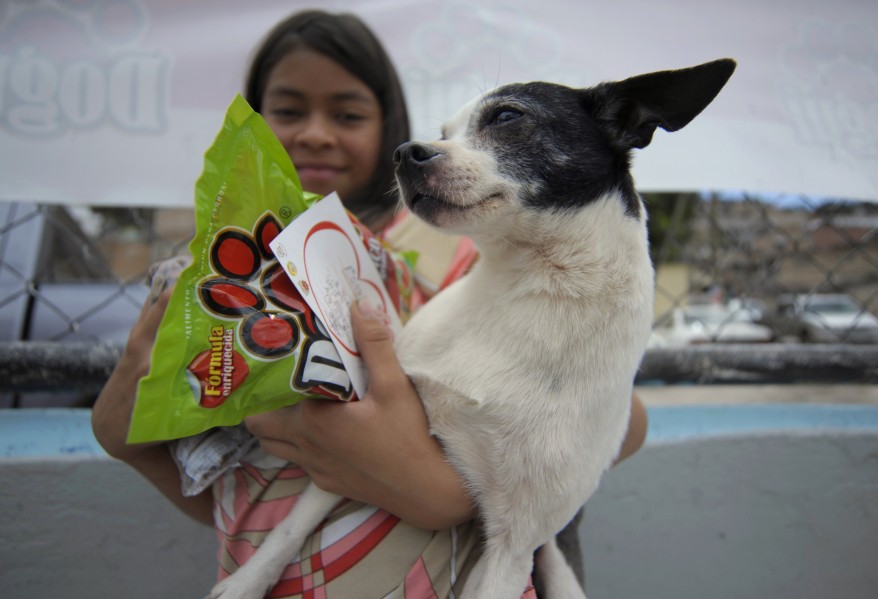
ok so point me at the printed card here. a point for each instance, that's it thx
(328, 263)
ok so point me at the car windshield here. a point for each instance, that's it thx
(717, 317)
(833, 307)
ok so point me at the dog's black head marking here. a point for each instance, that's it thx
(576, 143)
(633, 108)
(565, 147)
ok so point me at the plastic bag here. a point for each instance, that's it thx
(237, 338)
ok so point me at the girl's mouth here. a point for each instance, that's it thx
(318, 173)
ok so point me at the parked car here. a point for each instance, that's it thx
(755, 308)
(827, 318)
(711, 323)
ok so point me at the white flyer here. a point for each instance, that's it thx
(325, 258)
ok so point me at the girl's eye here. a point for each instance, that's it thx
(506, 115)
(350, 117)
(287, 113)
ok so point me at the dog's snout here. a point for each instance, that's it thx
(415, 152)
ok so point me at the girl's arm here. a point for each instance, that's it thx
(379, 450)
(112, 411)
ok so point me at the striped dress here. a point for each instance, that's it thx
(359, 551)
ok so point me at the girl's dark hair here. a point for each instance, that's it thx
(348, 41)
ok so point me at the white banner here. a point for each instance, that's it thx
(113, 102)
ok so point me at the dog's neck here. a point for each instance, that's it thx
(576, 255)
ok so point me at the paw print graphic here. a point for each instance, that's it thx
(249, 287)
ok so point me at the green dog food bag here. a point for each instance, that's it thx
(237, 338)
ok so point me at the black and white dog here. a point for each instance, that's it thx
(526, 365)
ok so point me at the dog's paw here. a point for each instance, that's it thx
(239, 586)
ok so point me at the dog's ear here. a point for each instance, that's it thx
(632, 109)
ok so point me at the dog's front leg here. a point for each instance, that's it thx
(503, 575)
(558, 579)
(499, 573)
(281, 546)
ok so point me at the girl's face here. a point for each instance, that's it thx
(328, 120)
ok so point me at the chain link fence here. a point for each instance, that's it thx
(779, 289)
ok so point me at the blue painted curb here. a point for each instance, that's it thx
(50, 432)
(53, 432)
(676, 423)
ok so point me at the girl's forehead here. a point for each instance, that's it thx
(311, 74)
(304, 63)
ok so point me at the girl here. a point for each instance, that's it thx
(326, 87)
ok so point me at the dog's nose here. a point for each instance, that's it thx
(414, 152)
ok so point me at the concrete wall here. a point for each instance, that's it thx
(92, 528)
(746, 501)
(750, 516)
(77, 524)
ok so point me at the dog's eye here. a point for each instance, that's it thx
(506, 115)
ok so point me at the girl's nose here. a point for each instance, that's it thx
(316, 132)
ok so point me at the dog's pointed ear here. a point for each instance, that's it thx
(632, 109)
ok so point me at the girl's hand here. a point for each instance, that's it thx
(377, 450)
